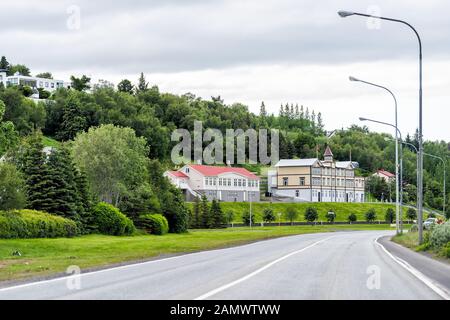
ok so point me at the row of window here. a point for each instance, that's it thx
(332, 194)
(333, 172)
(228, 182)
(326, 182)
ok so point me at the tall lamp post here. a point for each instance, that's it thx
(399, 198)
(344, 14)
(398, 179)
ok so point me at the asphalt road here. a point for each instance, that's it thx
(342, 265)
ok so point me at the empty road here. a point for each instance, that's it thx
(341, 265)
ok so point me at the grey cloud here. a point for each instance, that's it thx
(180, 35)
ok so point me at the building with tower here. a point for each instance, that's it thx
(315, 180)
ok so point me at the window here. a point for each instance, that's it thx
(235, 182)
(239, 182)
(229, 182)
(53, 84)
(316, 171)
(302, 181)
(46, 84)
(244, 183)
(220, 181)
(297, 193)
(206, 181)
(316, 181)
(285, 181)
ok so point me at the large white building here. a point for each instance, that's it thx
(221, 183)
(50, 85)
(314, 180)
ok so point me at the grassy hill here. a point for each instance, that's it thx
(342, 210)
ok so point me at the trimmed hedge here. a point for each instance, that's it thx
(154, 224)
(107, 219)
(35, 224)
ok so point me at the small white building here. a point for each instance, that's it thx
(385, 175)
(226, 184)
(50, 85)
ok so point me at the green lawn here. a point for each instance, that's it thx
(49, 142)
(42, 257)
(342, 210)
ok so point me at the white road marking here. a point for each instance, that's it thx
(254, 273)
(443, 293)
(25, 285)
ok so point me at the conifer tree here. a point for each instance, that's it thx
(142, 84)
(196, 223)
(36, 172)
(217, 216)
(204, 209)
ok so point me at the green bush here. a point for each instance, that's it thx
(268, 215)
(331, 216)
(154, 224)
(371, 215)
(411, 214)
(246, 218)
(352, 217)
(108, 219)
(35, 224)
(446, 250)
(390, 215)
(440, 235)
(311, 214)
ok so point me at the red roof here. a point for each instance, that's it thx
(215, 171)
(386, 173)
(178, 174)
(328, 152)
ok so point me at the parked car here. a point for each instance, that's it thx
(429, 222)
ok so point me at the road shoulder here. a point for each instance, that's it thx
(436, 270)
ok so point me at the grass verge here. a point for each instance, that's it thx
(43, 257)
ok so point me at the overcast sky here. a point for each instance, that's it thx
(275, 51)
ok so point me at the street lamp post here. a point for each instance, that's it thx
(398, 179)
(345, 14)
(399, 198)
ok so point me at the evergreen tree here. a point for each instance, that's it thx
(4, 64)
(287, 111)
(297, 112)
(73, 120)
(196, 222)
(302, 113)
(142, 84)
(36, 172)
(204, 209)
(84, 199)
(320, 125)
(217, 217)
(66, 202)
(281, 112)
(307, 114)
(262, 110)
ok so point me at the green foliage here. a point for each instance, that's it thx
(411, 214)
(8, 134)
(390, 215)
(114, 161)
(125, 86)
(196, 221)
(20, 68)
(108, 219)
(205, 212)
(371, 215)
(311, 214)
(44, 94)
(27, 91)
(139, 201)
(246, 218)
(45, 75)
(80, 84)
(4, 64)
(291, 214)
(352, 218)
(35, 224)
(73, 120)
(268, 215)
(229, 215)
(12, 188)
(440, 235)
(216, 215)
(154, 223)
(331, 216)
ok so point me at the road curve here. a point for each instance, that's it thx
(341, 265)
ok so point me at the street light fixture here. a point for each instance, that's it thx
(398, 178)
(344, 14)
(399, 198)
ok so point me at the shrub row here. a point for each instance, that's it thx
(35, 224)
(154, 223)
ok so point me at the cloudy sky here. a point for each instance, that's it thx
(249, 51)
